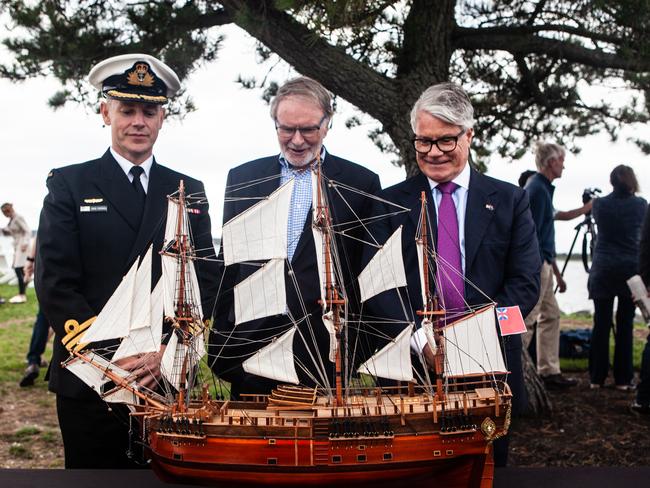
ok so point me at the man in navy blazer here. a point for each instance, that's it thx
(499, 251)
(97, 219)
(302, 111)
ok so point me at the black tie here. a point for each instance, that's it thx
(136, 171)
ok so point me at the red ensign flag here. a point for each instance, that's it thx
(510, 320)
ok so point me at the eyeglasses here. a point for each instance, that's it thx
(306, 132)
(445, 144)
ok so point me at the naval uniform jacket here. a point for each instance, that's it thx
(502, 260)
(89, 236)
(346, 208)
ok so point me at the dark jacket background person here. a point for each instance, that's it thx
(619, 217)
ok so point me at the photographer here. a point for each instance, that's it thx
(618, 216)
(549, 159)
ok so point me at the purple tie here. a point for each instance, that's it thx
(450, 271)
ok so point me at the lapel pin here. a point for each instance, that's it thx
(489, 206)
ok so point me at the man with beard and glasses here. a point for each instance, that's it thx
(302, 113)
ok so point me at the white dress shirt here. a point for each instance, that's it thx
(126, 166)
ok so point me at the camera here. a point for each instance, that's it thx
(589, 193)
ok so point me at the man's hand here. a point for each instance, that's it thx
(145, 368)
(561, 284)
(28, 270)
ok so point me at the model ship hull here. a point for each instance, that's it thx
(244, 443)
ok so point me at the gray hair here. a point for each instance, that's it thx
(545, 151)
(446, 101)
(307, 88)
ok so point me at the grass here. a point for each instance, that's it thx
(20, 451)
(16, 323)
(29, 436)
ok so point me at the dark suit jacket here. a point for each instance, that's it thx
(502, 260)
(346, 208)
(82, 256)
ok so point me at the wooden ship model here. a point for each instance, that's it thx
(439, 427)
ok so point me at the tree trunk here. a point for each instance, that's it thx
(539, 403)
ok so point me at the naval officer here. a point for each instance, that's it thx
(97, 219)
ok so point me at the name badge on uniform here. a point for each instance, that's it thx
(93, 208)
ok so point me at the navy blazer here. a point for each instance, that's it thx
(83, 255)
(346, 208)
(502, 261)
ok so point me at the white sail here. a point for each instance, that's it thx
(145, 339)
(261, 294)
(171, 363)
(169, 276)
(198, 349)
(275, 361)
(122, 395)
(472, 345)
(393, 361)
(319, 240)
(194, 291)
(176, 353)
(385, 270)
(115, 318)
(328, 322)
(420, 252)
(427, 326)
(171, 223)
(90, 374)
(320, 261)
(260, 232)
(141, 316)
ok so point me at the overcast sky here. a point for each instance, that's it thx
(231, 126)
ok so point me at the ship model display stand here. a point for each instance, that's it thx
(297, 435)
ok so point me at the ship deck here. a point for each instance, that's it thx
(263, 410)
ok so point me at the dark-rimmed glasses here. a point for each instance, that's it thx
(306, 132)
(445, 144)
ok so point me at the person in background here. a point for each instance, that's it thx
(19, 230)
(549, 159)
(524, 177)
(40, 332)
(561, 284)
(619, 217)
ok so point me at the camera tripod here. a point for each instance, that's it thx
(588, 243)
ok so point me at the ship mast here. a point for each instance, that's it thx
(430, 309)
(333, 300)
(183, 309)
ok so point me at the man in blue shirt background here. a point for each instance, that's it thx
(549, 159)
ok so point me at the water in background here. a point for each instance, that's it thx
(576, 297)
